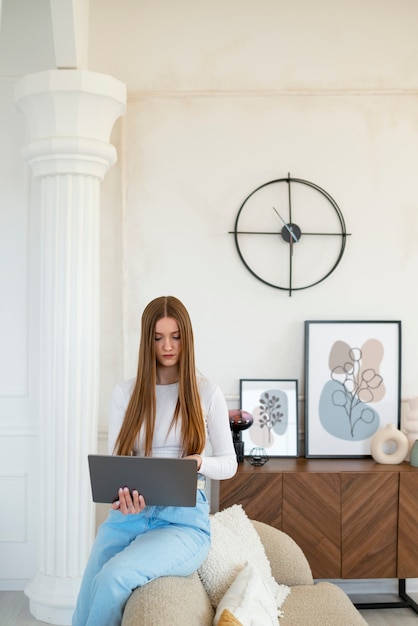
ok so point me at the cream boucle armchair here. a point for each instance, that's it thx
(183, 601)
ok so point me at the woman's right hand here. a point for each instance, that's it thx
(129, 504)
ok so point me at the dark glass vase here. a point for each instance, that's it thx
(239, 421)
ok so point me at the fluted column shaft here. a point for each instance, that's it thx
(70, 116)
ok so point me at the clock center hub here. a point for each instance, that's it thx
(291, 232)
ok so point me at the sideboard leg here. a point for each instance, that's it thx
(407, 598)
(405, 601)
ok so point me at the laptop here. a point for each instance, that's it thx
(162, 481)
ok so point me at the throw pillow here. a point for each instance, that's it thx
(227, 619)
(249, 600)
(234, 542)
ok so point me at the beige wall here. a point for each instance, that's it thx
(228, 95)
(263, 46)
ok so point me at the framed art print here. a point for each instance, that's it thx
(352, 385)
(274, 406)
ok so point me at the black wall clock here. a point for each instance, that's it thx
(290, 234)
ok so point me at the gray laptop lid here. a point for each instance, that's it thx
(162, 481)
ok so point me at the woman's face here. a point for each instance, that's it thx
(167, 342)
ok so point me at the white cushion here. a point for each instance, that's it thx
(234, 543)
(249, 599)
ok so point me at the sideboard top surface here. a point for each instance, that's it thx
(302, 464)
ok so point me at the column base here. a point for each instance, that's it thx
(52, 599)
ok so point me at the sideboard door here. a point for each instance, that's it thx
(408, 522)
(259, 494)
(311, 516)
(369, 524)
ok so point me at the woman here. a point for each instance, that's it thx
(168, 411)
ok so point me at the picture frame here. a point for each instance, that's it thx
(273, 403)
(352, 385)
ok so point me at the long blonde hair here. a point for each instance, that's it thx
(140, 414)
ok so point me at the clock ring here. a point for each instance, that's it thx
(290, 234)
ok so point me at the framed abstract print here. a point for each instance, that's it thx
(352, 385)
(273, 403)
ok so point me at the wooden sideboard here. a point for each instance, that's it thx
(353, 518)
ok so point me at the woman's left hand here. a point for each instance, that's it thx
(198, 459)
(129, 504)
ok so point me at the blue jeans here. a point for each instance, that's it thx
(131, 550)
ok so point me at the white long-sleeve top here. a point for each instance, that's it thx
(218, 459)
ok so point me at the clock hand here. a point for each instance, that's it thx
(292, 234)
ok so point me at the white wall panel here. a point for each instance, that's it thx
(13, 519)
(18, 506)
(26, 43)
(18, 413)
(14, 252)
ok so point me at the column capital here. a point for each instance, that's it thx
(70, 116)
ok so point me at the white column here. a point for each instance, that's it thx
(70, 115)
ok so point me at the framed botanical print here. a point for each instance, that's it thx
(273, 403)
(352, 385)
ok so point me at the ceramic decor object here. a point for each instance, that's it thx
(384, 440)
